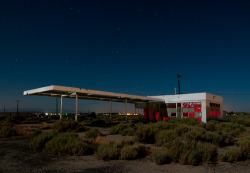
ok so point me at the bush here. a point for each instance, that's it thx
(162, 157)
(212, 137)
(175, 149)
(244, 145)
(181, 130)
(38, 142)
(37, 132)
(226, 138)
(67, 144)
(7, 130)
(210, 153)
(99, 123)
(231, 156)
(195, 153)
(240, 119)
(108, 151)
(93, 133)
(145, 135)
(123, 129)
(232, 128)
(133, 152)
(68, 126)
(165, 136)
(195, 134)
(190, 121)
(212, 125)
(162, 125)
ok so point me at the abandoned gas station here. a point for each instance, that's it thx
(202, 106)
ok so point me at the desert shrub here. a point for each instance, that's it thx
(192, 157)
(108, 151)
(38, 142)
(123, 129)
(67, 144)
(98, 123)
(162, 125)
(195, 134)
(212, 137)
(125, 143)
(233, 128)
(181, 130)
(88, 120)
(162, 157)
(226, 138)
(175, 149)
(232, 156)
(210, 152)
(67, 126)
(195, 153)
(128, 132)
(244, 145)
(240, 119)
(92, 134)
(36, 132)
(212, 125)
(145, 135)
(7, 130)
(133, 152)
(165, 136)
(190, 121)
(5, 119)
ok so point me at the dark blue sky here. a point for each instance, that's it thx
(133, 47)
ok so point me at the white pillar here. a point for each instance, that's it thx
(110, 116)
(126, 110)
(76, 108)
(204, 111)
(61, 107)
(135, 109)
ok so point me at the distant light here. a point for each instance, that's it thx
(46, 114)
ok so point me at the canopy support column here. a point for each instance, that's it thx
(135, 109)
(110, 112)
(76, 108)
(126, 110)
(61, 106)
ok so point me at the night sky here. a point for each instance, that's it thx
(130, 46)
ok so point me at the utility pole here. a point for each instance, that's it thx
(17, 103)
(179, 83)
(4, 109)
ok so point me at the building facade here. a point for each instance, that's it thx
(202, 106)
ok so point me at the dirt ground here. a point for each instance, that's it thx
(17, 156)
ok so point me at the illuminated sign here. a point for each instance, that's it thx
(191, 104)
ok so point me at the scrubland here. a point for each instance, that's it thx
(173, 142)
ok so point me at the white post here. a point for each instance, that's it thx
(126, 110)
(135, 109)
(61, 106)
(110, 116)
(76, 108)
(204, 111)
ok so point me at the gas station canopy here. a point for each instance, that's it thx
(70, 92)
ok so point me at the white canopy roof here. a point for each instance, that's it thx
(70, 92)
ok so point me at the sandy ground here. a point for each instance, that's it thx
(16, 156)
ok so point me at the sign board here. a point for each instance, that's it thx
(191, 104)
